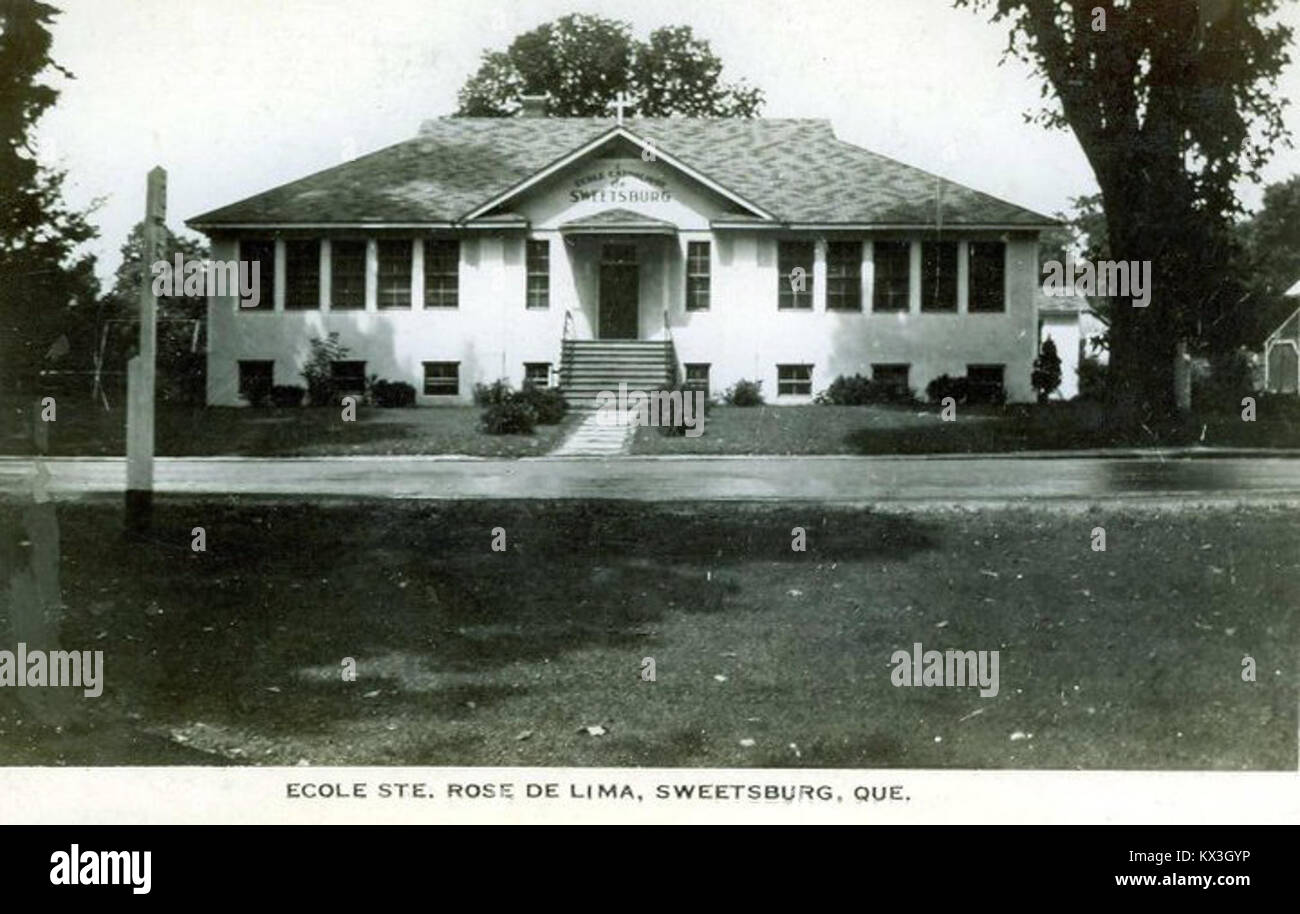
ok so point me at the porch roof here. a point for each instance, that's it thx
(618, 222)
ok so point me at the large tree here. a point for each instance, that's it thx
(1272, 241)
(584, 62)
(1173, 102)
(181, 343)
(44, 281)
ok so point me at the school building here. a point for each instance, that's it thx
(581, 252)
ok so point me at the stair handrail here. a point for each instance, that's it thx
(671, 352)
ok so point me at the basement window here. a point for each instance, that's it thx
(794, 380)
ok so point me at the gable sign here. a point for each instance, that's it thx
(613, 181)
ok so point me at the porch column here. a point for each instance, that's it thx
(279, 274)
(326, 289)
(417, 275)
(914, 279)
(963, 277)
(819, 275)
(372, 274)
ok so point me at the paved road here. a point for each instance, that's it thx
(843, 479)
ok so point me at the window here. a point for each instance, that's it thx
(893, 274)
(262, 253)
(442, 274)
(939, 276)
(301, 274)
(988, 270)
(441, 379)
(697, 377)
(537, 374)
(348, 377)
(793, 380)
(347, 275)
(395, 274)
(697, 276)
(794, 267)
(255, 379)
(893, 375)
(844, 276)
(985, 383)
(538, 255)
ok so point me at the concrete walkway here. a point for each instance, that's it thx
(831, 479)
(593, 438)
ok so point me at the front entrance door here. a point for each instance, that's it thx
(619, 285)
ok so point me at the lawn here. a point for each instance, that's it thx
(81, 428)
(871, 430)
(1128, 658)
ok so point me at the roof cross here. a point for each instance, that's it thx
(618, 104)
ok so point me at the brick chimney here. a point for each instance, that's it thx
(533, 105)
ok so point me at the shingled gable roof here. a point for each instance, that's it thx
(794, 169)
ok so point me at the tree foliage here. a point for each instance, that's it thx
(1173, 102)
(1046, 374)
(1272, 242)
(584, 62)
(44, 283)
(181, 341)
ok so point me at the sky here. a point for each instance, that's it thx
(234, 97)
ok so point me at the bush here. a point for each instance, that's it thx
(857, 390)
(547, 402)
(963, 390)
(493, 394)
(847, 390)
(285, 395)
(320, 384)
(392, 394)
(513, 416)
(258, 392)
(1092, 379)
(744, 393)
(1046, 374)
(1230, 378)
(947, 386)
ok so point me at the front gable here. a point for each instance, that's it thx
(619, 171)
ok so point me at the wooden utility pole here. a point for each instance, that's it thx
(141, 369)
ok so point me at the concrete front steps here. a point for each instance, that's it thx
(590, 366)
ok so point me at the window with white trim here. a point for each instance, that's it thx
(441, 379)
(793, 380)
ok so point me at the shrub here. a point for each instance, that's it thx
(857, 390)
(1092, 379)
(493, 394)
(285, 395)
(1046, 375)
(963, 390)
(1229, 379)
(847, 390)
(392, 394)
(744, 393)
(513, 416)
(316, 372)
(947, 386)
(258, 392)
(547, 402)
